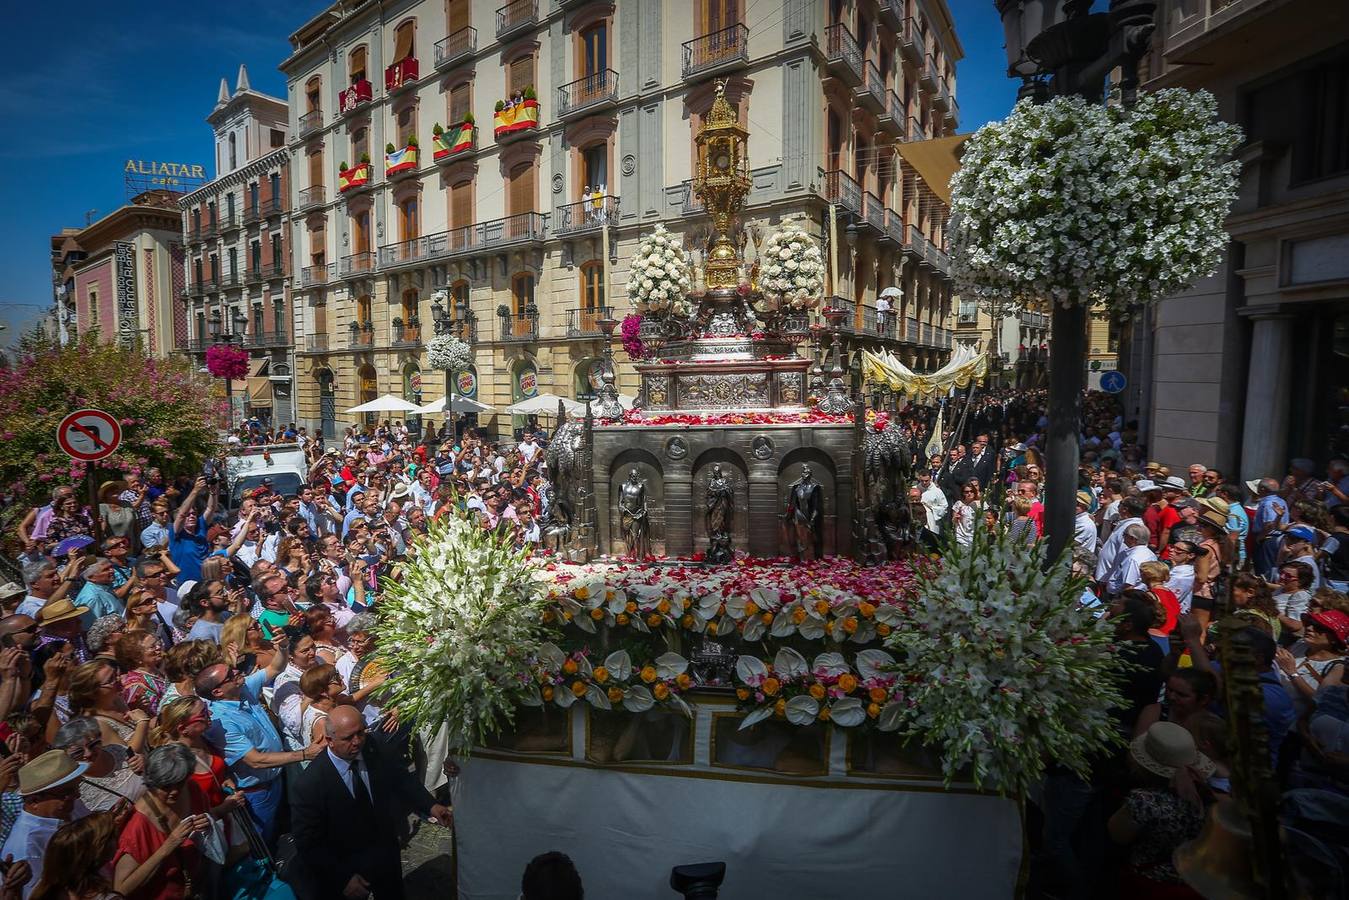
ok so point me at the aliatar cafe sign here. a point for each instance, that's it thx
(143, 174)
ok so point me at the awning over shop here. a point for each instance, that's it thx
(935, 161)
(259, 385)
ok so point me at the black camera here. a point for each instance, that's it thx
(209, 472)
(295, 632)
(700, 881)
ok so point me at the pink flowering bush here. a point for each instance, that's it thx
(227, 362)
(631, 331)
(165, 411)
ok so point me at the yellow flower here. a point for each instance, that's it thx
(850, 624)
(597, 613)
(547, 692)
(578, 688)
(688, 621)
(663, 607)
(548, 615)
(798, 615)
(621, 619)
(780, 708)
(882, 629)
(608, 595)
(817, 691)
(711, 627)
(566, 614)
(721, 609)
(582, 593)
(648, 674)
(615, 694)
(569, 667)
(751, 607)
(601, 675)
(877, 695)
(873, 710)
(767, 618)
(684, 681)
(847, 682)
(866, 609)
(654, 620)
(742, 693)
(660, 691)
(822, 607)
(630, 606)
(824, 714)
(770, 686)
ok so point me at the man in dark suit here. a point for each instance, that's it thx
(983, 462)
(347, 810)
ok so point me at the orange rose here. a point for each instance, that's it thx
(566, 615)
(630, 606)
(654, 620)
(663, 607)
(721, 609)
(548, 615)
(711, 627)
(767, 618)
(615, 695)
(597, 613)
(547, 693)
(621, 619)
(601, 674)
(751, 607)
(822, 607)
(873, 710)
(608, 595)
(684, 681)
(661, 691)
(882, 629)
(582, 593)
(742, 693)
(877, 695)
(780, 708)
(648, 674)
(847, 682)
(688, 621)
(798, 615)
(578, 688)
(770, 686)
(817, 691)
(569, 667)
(866, 609)
(824, 714)
(850, 624)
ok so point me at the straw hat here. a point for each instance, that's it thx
(59, 611)
(11, 589)
(52, 769)
(1165, 748)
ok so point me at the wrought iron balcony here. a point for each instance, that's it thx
(209, 285)
(871, 92)
(590, 214)
(914, 243)
(458, 47)
(229, 221)
(354, 97)
(525, 228)
(891, 117)
(362, 337)
(194, 235)
(230, 280)
(911, 332)
(262, 339)
(316, 343)
(198, 344)
(585, 322)
(891, 12)
(716, 52)
(516, 16)
(252, 213)
(310, 198)
(894, 227)
(406, 335)
(873, 212)
(210, 229)
(911, 40)
(401, 74)
(275, 270)
(311, 122)
(450, 145)
(952, 114)
(915, 130)
(519, 327)
(879, 325)
(840, 188)
(588, 94)
(842, 54)
(253, 275)
(927, 74)
(314, 276)
(356, 264)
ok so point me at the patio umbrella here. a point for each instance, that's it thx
(458, 404)
(545, 405)
(386, 403)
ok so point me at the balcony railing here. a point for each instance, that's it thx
(892, 116)
(356, 264)
(927, 335)
(406, 335)
(316, 343)
(309, 198)
(524, 228)
(198, 344)
(892, 12)
(362, 338)
(209, 285)
(253, 275)
(454, 143)
(692, 204)
(210, 229)
(456, 48)
(355, 179)
(716, 52)
(229, 221)
(928, 73)
(516, 15)
(894, 226)
(267, 339)
(840, 188)
(275, 270)
(401, 74)
(230, 280)
(878, 325)
(520, 327)
(911, 40)
(313, 276)
(915, 130)
(354, 97)
(585, 322)
(311, 122)
(914, 243)
(871, 92)
(1182, 34)
(873, 212)
(251, 214)
(842, 54)
(589, 214)
(592, 92)
(194, 235)
(911, 334)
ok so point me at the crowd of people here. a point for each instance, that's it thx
(192, 705)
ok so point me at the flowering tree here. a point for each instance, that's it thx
(224, 361)
(1075, 202)
(166, 413)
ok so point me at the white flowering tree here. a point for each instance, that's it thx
(449, 353)
(658, 278)
(792, 269)
(1075, 203)
(1006, 671)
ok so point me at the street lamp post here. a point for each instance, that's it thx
(461, 325)
(1061, 48)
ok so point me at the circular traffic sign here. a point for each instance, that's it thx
(1113, 382)
(89, 434)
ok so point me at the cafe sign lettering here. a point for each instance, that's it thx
(165, 174)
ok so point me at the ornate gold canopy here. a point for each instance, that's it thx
(722, 182)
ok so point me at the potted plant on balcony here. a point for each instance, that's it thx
(397, 321)
(504, 311)
(519, 116)
(404, 160)
(357, 176)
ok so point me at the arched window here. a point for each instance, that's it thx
(592, 285)
(595, 166)
(522, 294)
(363, 309)
(234, 153)
(404, 41)
(313, 94)
(357, 64)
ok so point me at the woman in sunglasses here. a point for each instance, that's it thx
(109, 778)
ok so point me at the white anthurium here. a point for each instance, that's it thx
(735, 606)
(551, 657)
(597, 698)
(802, 709)
(865, 633)
(619, 664)
(765, 598)
(563, 697)
(616, 602)
(811, 629)
(638, 698)
(830, 664)
(891, 717)
(751, 670)
(789, 664)
(836, 631)
(888, 614)
(638, 624)
(875, 664)
(583, 667)
(584, 622)
(595, 595)
(755, 628)
(671, 665)
(847, 712)
(708, 604)
(783, 626)
(755, 717)
(532, 696)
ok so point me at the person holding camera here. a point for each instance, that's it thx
(187, 539)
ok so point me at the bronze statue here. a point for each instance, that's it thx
(632, 516)
(720, 506)
(804, 519)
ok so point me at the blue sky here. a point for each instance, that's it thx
(96, 84)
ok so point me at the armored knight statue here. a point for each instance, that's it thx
(804, 518)
(633, 517)
(720, 507)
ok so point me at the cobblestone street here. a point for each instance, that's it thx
(426, 864)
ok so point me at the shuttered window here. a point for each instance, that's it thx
(459, 102)
(316, 169)
(358, 65)
(522, 189)
(457, 14)
(407, 219)
(461, 204)
(521, 74)
(403, 41)
(407, 124)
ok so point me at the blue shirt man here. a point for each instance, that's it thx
(97, 593)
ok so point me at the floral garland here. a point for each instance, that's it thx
(447, 352)
(1078, 203)
(562, 679)
(793, 268)
(658, 278)
(810, 417)
(631, 331)
(224, 361)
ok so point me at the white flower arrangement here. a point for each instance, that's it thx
(1076, 203)
(792, 270)
(447, 352)
(1005, 671)
(462, 632)
(658, 278)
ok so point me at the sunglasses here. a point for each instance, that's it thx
(92, 748)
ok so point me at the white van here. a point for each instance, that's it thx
(283, 466)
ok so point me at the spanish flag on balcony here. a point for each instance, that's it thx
(524, 114)
(449, 143)
(353, 177)
(400, 161)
